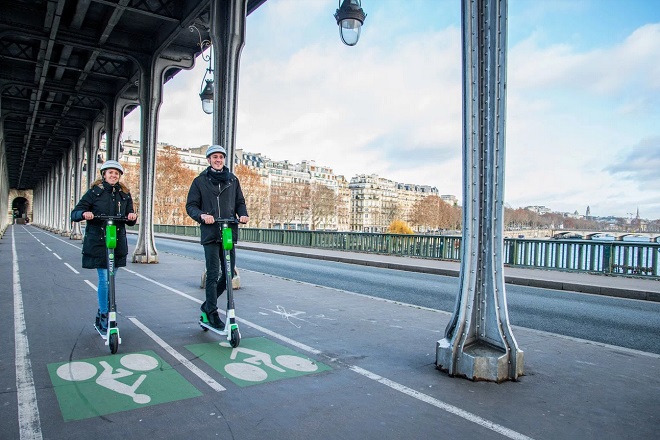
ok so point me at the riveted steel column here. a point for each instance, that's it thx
(92, 152)
(228, 37)
(109, 128)
(78, 159)
(152, 78)
(66, 203)
(120, 105)
(150, 92)
(478, 342)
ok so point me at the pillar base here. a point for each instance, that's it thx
(478, 361)
(146, 259)
(75, 236)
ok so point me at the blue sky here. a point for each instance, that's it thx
(583, 98)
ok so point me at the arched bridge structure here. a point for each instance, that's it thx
(70, 70)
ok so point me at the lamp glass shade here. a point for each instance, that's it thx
(207, 97)
(349, 31)
(207, 106)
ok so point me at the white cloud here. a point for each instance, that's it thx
(392, 106)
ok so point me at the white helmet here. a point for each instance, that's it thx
(111, 164)
(216, 149)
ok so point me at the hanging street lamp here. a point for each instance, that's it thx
(350, 18)
(207, 88)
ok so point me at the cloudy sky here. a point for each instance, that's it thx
(583, 102)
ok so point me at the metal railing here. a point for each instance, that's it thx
(619, 258)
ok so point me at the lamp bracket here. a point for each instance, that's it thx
(203, 43)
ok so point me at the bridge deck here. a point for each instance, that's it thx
(314, 363)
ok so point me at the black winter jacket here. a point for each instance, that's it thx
(103, 199)
(221, 201)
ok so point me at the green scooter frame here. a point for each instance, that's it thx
(231, 330)
(111, 336)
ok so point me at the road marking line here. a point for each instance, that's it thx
(28, 412)
(178, 356)
(178, 292)
(90, 284)
(57, 256)
(394, 385)
(442, 405)
(72, 269)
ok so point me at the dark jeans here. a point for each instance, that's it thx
(215, 274)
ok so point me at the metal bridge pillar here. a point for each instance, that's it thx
(152, 78)
(65, 215)
(78, 159)
(228, 38)
(478, 342)
(92, 149)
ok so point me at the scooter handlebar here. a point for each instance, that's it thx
(231, 221)
(114, 218)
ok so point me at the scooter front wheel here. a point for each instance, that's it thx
(235, 338)
(113, 342)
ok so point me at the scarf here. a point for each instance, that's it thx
(218, 176)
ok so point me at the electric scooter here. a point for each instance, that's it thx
(111, 335)
(231, 326)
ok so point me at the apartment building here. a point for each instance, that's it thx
(366, 203)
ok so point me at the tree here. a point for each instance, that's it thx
(322, 204)
(434, 213)
(131, 179)
(173, 181)
(283, 198)
(256, 195)
(399, 227)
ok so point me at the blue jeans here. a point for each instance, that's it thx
(103, 289)
(215, 274)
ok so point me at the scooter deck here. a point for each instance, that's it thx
(206, 326)
(104, 335)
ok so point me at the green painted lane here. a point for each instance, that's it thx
(255, 361)
(110, 384)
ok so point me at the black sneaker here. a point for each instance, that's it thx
(215, 321)
(98, 318)
(103, 322)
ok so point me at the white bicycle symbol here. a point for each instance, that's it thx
(81, 371)
(250, 367)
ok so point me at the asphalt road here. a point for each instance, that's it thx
(616, 321)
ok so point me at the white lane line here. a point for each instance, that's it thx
(255, 326)
(394, 385)
(90, 284)
(72, 269)
(29, 422)
(178, 356)
(442, 405)
(57, 256)
(48, 249)
(178, 292)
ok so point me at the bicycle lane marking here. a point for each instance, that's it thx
(178, 356)
(465, 415)
(94, 387)
(256, 361)
(106, 383)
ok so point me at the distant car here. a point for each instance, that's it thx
(603, 237)
(636, 238)
(568, 236)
